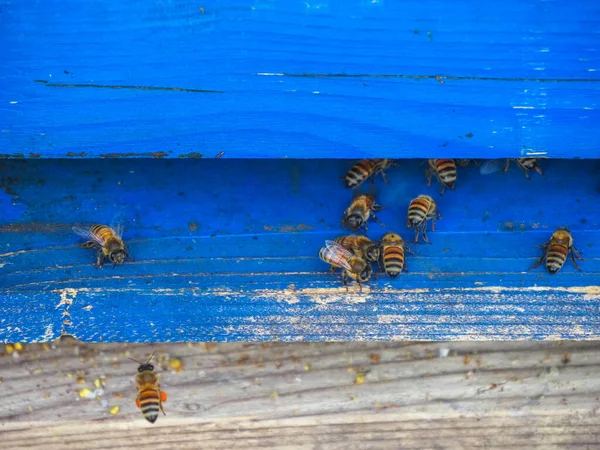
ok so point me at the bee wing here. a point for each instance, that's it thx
(118, 226)
(85, 233)
(490, 166)
(338, 254)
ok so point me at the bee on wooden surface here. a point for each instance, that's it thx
(365, 168)
(108, 241)
(150, 398)
(392, 255)
(353, 266)
(361, 246)
(526, 165)
(362, 207)
(420, 210)
(556, 251)
(444, 170)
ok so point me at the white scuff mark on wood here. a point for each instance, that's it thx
(270, 74)
(49, 334)
(67, 295)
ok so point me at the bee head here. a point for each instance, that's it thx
(145, 367)
(118, 256)
(372, 253)
(365, 275)
(354, 222)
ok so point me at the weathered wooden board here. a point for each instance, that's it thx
(296, 396)
(256, 79)
(227, 250)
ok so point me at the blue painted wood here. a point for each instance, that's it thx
(227, 250)
(256, 79)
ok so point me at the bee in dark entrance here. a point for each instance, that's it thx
(444, 170)
(353, 266)
(108, 241)
(361, 246)
(365, 168)
(420, 210)
(556, 251)
(150, 398)
(361, 209)
(392, 255)
(526, 165)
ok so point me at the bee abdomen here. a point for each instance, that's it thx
(556, 257)
(102, 231)
(359, 173)
(417, 211)
(446, 169)
(393, 261)
(149, 404)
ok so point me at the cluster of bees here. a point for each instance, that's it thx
(356, 254)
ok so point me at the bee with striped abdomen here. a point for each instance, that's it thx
(444, 170)
(392, 255)
(557, 250)
(358, 213)
(107, 241)
(150, 398)
(526, 165)
(353, 266)
(365, 168)
(420, 210)
(361, 246)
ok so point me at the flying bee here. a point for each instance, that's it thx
(420, 210)
(353, 266)
(150, 398)
(444, 170)
(526, 165)
(107, 241)
(556, 251)
(365, 168)
(392, 255)
(362, 207)
(361, 246)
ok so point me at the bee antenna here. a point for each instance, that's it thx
(135, 360)
(151, 356)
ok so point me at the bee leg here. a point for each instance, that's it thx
(359, 285)
(331, 269)
(416, 235)
(405, 268)
(538, 169)
(375, 207)
(127, 255)
(573, 258)
(424, 234)
(525, 171)
(100, 260)
(507, 164)
(428, 175)
(541, 260)
(345, 279)
(409, 250)
(443, 188)
(90, 244)
(384, 177)
(576, 252)
(433, 223)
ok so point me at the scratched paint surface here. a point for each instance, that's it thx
(299, 79)
(227, 250)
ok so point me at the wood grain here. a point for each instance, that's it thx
(256, 79)
(480, 395)
(228, 251)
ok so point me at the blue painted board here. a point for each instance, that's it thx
(297, 79)
(227, 250)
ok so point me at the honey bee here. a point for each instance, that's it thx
(353, 266)
(556, 251)
(107, 241)
(361, 246)
(356, 216)
(526, 165)
(444, 170)
(150, 398)
(365, 168)
(392, 255)
(420, 210)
